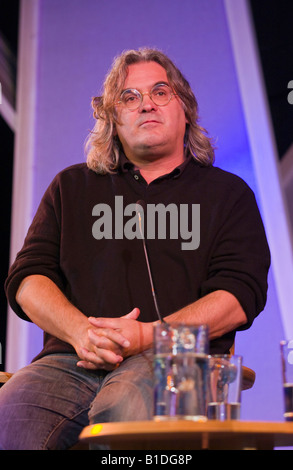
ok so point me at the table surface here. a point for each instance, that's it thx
(185, 434)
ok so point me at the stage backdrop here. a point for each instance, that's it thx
(74, 43)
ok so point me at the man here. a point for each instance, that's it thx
(81, 275)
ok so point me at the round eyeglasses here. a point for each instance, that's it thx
(160, 95)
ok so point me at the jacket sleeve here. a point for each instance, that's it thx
(40, 251)
(240, 259)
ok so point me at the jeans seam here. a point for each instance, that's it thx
(56, 426)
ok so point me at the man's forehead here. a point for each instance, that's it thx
(145, 74)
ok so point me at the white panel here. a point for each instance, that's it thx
(264, 153)
(17, 331)
(7, 112)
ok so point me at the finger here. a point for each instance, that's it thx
(107, 338)
(88, 365)
(114, 322)
(91, 366)
(134, 314)
(102, 358)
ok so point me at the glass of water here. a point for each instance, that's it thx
(225, 379)
(180, 372)
(287, 377)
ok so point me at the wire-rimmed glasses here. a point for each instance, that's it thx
(161, 94)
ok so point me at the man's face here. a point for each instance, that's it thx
(151, 131)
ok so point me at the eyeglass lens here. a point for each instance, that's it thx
(160, 95)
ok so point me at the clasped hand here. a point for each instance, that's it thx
(110, 340)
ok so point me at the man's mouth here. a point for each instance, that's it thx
(149, 121)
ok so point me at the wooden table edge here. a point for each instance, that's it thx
(140, 430)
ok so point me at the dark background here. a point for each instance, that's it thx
(9, 10)
(274, 31)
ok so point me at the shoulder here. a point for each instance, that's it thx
(225, 177)
(222, 180)
(219, 188)
(73, 182)
(77, 170)
(75, 174)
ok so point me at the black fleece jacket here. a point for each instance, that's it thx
(109, 277)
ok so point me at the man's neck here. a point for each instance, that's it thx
(153, 169)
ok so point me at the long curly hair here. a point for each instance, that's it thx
(103, 146)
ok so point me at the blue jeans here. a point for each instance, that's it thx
(46, 404)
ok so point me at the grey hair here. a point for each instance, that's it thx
(103, 146)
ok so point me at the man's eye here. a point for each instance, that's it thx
(130, 97)
(159, 91)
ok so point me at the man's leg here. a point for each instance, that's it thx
(126, 394)
(45, 405)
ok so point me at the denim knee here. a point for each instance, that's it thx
(127, 393)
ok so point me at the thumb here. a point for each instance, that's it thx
(133, 315)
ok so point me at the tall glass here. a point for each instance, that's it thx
(225, 381)
(287, 377)
(180, 372)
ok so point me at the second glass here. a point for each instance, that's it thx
(287, 378)
(225, 382)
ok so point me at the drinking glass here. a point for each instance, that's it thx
(287, 377)
(180, 371)
(225, 381)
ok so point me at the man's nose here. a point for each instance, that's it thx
(146, 103)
